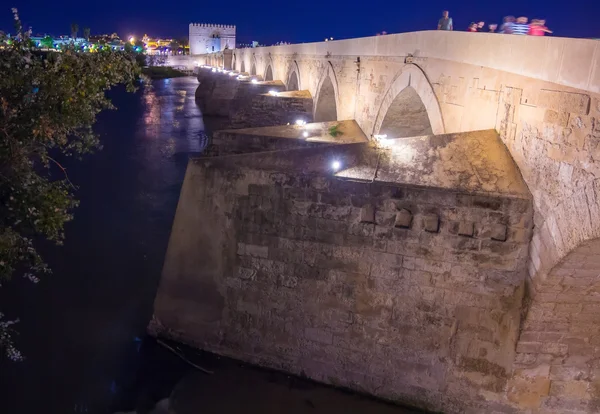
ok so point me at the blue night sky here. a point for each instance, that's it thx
(299, 21)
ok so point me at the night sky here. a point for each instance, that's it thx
(297, 21)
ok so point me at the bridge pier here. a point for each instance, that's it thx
(370, 274)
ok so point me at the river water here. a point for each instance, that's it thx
(82, 328)
(79, 325)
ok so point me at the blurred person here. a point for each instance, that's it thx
(445, 23)
(493, 27)
(538, 27)
(507, 25)
(521, 27)
(481, 27)
(472, 27)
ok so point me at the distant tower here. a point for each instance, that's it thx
(207, 38)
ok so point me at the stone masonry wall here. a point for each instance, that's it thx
(409, 294)
(231, 142)
(557, 366)
(267, 110)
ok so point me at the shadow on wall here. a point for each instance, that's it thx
(326, 109)
(406, 117)
(293, 84)
(269, 74)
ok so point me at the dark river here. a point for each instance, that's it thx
(82, 328)
(79, 325)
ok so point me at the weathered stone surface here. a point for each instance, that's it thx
(403, 219)
(431, 223)
(397, 312)
(367, 214)
(499, 232)
(259, 108)
(466, 228)
(247, 140)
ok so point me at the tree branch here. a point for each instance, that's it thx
(64, 170)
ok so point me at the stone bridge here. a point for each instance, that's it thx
(538, 352)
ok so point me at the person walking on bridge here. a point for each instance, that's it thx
(445, 23)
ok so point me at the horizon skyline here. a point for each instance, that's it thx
(301, 26)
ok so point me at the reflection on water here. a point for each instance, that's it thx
(79, 326)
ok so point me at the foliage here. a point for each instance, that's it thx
(48, 105)
(334, 131)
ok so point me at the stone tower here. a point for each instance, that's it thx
(206, 38)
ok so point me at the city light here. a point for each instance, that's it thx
(336, 165)
(254, 81)
(273, 93)
(214, 70)
(300, 122)
(305, 134)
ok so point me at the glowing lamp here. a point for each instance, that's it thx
(305, 134)
(273, 93)
(382, 140)
(300, 122)
(254, 81)
(214, 70)
(336, 165)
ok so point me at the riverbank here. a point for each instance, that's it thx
(162, 72)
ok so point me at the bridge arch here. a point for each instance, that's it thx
(563, 315)
(409, 107)
(242, 66)
(233, 62)
(327, 97)
(293, 81)
(253, 66)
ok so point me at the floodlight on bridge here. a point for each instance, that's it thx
(305, 134)
(300, 122)
(273, 93)
(336, 165)
(254, 81)
(382, 140)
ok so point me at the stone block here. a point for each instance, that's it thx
(431, 223)
(557, 118)
(289, 281)
(527, 393)
(465, 228)
(498, 232)
(246, 274)
(554, 349)
(403, 219)
(318, 335)
(564, 373)
(569, 389)
(367, 214)
(257, 251)
(529, 347)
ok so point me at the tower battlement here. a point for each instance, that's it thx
(213, 26)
